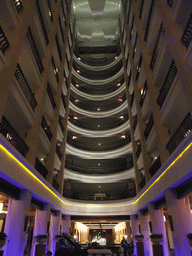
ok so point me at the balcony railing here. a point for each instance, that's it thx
(42, 23)
(13, 137)
(167, 84)
(141, 9)
(18, 5)
(41, 168)
(149, 127)
(149, 20)
(58, 47)
(58, 152)
(34, 50)
(139, 67)
(182, 132)
(138, 152)
(61, 124)
(170, 3)
(157, 46)
(143, 95)
(155, 166)
(50, 94)
(135, 122)
(55, 70)
(187, 35)
(25, 87)
(55, 184)
(132, 99)
(142, 183)
(46, 128)
(4, 44)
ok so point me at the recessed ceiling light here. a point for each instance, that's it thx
(123, 136)
(42, 159)
(79, 58)
(98, 125)
(77, 85)
(121, 117)
(116, 57)
(99, 144)
(98, 109)
(76, 100)
(98, 163)
(75, 117)
(78, 71)
(74, 137)
(118, 84)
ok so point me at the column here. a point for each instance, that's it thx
(54, 230)
(135, 230)
(180, 214)
(158, 226)
(144, 224)
(41, 224)
(66, 224)
(14, 227)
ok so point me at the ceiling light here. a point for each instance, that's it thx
(98, 125)
(77, 85)
(120, 100)
(118, 84)
(74, 137)
(78, 71)
(121, 117)
(123, 136)
(68, 117)
(76, 100)
(79, 58)
(99, 144)
(98, 109)
(116, 57)
(42, 159)
(155, 157)
(75, 117)
(98, 163)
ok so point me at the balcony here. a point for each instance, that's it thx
(155, 166)
(143, 94)
(58, 47)
(63, 100)
(61, 123)
(157, 46)
(58, 152)
(187, 35)
(138, 152)
(135, 122)
(18, 5)
(149, 127)
(132, 99)
(167, 83)
(49, 92)
(25, 87)
(55, 184)
(35, 51)
(149, 20)
(182, 132)
(42, 23)
(46, 128)
(61, 29)
(55, 69)
(13, 137)
(41, 168)
(4, 44)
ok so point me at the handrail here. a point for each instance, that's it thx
(13, 137)
(149, 127)
(61, 123)
(167, 84)
(55, 69)
(18, 5)
(149, 20)
(42, 23)
(183, 130)
(4, 44)
(34, 50)
(143, 95)
(25, 87)
(58, 48)
(157, 46)
(50, 94)
(187, 34)
(46, 128)
(155, 166)
(41, 168)
(141, 9)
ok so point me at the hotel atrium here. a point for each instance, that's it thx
(95, 125)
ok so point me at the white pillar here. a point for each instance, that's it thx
(144, 224)
(158, 226)
(54, 230)
(180, 211)
(66, 224)
(14, 227)
(135, 230)
(42, 219)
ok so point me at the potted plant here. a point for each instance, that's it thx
(189, 236)
(156, 238)
(41, 239)
(59, 237)
(139, 237)
(3, 238)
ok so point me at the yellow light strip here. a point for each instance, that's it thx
(92, 206)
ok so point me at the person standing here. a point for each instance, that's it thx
(124, 245)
